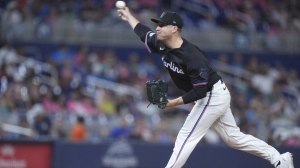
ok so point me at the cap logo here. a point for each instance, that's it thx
(174, 22)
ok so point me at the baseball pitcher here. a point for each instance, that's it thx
(190, 70)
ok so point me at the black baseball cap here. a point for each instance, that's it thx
(169, 18)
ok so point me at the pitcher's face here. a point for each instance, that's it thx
(164, 31)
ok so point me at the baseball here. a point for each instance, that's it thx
(120, 4)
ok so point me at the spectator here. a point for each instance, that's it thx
(110, 68)
(50, 102)
(67, 74)
(22, 103)
(161, 133)
(11, 19)
(7, 105)
(61, 55)
(60, 129)
(295, 23)
(95, 59)
(263, 81)
(79, 132)
(121, 130)
(140, 130)
(208, 23)
(252, 65)
(8, 54)
(294, 81)
(42, 125)
(81, 55)
(81, 105)
(149, 67)
(106, 104)
(237, 62)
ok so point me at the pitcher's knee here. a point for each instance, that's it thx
(235, 140)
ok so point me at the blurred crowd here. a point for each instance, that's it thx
(266, 105)
(270, 16)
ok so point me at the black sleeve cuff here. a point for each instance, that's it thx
(195, 94)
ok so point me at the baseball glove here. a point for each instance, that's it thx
(157, 92)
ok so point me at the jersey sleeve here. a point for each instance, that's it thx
(147, 36)
(198, 72)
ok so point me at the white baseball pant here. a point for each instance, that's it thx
(214, 111)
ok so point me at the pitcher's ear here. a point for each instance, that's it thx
(175, 28)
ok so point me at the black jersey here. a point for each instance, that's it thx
(188, 66)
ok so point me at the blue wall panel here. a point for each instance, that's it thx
(144, 155)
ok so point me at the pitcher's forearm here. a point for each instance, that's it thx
(132, 21)
(175, 102)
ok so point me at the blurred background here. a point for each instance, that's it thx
(71, 71)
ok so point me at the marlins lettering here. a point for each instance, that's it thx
(173, 67)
